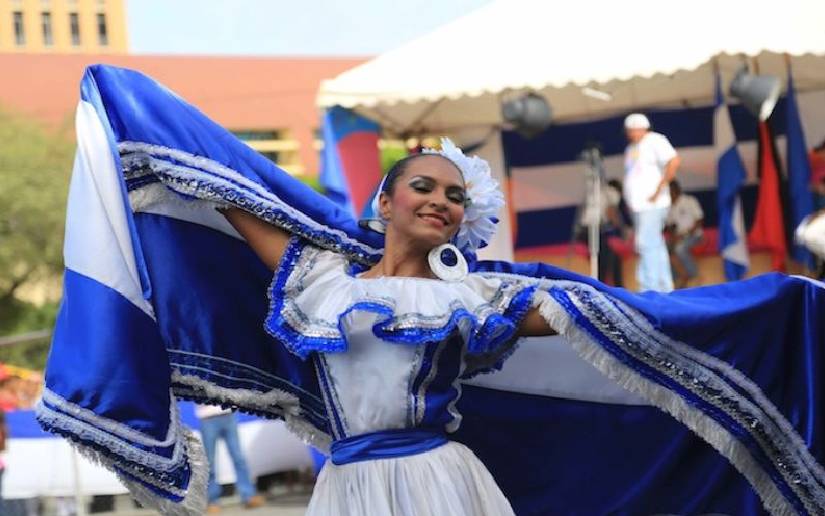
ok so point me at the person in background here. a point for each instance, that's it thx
(650, 165)
(610, 223)
(685, 221)
(817, 159)
(625, 219)
(218, 423)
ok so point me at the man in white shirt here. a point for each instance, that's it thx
(650, 165)
(685, 218)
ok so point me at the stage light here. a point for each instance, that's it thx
(529, 114)
(758, 93)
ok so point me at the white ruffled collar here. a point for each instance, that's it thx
(314, 290)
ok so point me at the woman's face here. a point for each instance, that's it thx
(427, 202)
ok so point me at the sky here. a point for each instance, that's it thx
(284, 27)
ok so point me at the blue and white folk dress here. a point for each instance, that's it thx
(390, 354)
(164, 301)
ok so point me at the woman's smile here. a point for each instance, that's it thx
(435, 219)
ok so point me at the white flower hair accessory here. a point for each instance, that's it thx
(484, 197)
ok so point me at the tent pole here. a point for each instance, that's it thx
(595, 174)
(78, 495)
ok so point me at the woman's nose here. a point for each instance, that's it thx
(438, 202)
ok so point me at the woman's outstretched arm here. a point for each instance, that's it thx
(269, 242)
(534, 325)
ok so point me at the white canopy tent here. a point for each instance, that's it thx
(589, 59)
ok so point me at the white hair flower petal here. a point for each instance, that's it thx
(485, 198)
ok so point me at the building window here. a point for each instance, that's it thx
(102, 33)
(46, 24)
(74, 28)
(19, 31)
(273, 156)
(257, 136)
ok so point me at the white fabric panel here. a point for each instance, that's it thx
(96, 216)
(372, 379)
(548, 366)
(43, 466)
(159, 200)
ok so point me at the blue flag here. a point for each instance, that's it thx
(730, 178)
(799, 172)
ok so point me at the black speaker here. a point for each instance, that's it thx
(758, 93)
(529, 114)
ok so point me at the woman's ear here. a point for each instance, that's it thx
(384, 205)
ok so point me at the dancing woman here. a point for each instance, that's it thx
(389, 458)
(367, 340)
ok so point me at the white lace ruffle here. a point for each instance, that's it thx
(277, 402)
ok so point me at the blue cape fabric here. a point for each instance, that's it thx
(175, 309)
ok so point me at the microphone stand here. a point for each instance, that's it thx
(594, 175)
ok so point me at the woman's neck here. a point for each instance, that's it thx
(403, 261)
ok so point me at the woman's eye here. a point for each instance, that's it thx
(421, 187)
(457, 198)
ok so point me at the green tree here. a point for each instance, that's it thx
(35, 166)
(391, 154)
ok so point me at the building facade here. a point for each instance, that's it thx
(63, 26)
(267, 102)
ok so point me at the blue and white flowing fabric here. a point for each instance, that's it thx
(730, 174)
(163, 300)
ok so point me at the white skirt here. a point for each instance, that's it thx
(448, 480)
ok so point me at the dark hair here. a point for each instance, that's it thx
(675, 184)
(400, 166)
(820, 147)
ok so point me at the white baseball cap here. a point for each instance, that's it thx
(636, 121)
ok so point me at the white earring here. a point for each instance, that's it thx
(377, 225)
(447, 262)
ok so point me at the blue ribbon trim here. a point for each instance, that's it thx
(386, 444)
